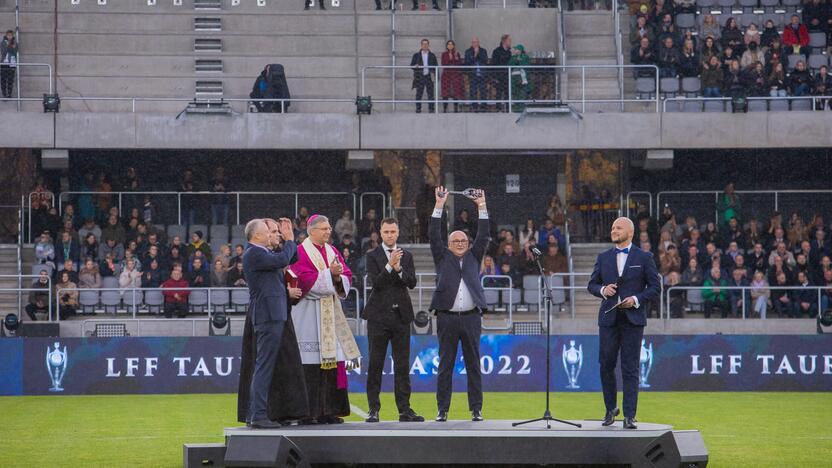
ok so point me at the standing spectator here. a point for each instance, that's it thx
(152, 276)
(500, 57)
(556, 211)
(800, 81)
(89, 276)
(219, 276)
(521, 87)
(9, 49)
(424, 72)
(796, 37)
(369, 225)
(777, 81)
(712, 76)
(310, 3)
(176, 294)
(237, 277)
(149, 210)
(728, 206)
(452, 86)
(345, 225)
(716, 296)
(219, 202)
(643, 54)
(66, 291)
(823, 87)
(476, 57)
(781, 298)
(710, 28)
(689, 60)
(732, 36)
(39, 298)
(554, 261)
(760, 294)
(45, 251)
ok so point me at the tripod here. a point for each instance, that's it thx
(547, 301)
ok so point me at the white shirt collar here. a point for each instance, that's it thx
(628, 247)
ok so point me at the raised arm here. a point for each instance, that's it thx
(437, 243)
(483, 236)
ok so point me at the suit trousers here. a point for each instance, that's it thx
(453, 329)
(268, 336)
(625, 338)
(424, 83)
(378, 336)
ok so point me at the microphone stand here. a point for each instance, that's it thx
(547, 301)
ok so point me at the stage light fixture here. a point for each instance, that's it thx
(219, 322)
(364, 105)
(10, 323)
(51, 102)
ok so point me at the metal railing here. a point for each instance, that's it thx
(501, 289)
(436, 71)
(139, 321)
(206, 102)
(619, 54)
(20, 98)
(28, 201)
(744, 295)
(30, 289)
(628, 201)
(725, 100)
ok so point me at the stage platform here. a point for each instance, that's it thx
(467, 443)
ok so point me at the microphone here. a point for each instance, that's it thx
(535, 251)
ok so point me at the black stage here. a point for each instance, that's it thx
(464, 443)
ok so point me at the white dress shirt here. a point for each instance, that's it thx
(463, 301)
(387, 253)
(621, 260)
(425, 63)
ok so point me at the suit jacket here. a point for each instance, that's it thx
(448, 272)
(389, 289)
(264, 275)
(416, 63)
(74, 252)
(640, 279)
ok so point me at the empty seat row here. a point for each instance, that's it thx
(530, 293)
(235, 300)
(754, 105)
(216, 233)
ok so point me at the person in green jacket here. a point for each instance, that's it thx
(715, 295)
(521, 87)
(728, 205)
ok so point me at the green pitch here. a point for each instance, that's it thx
(740, 429)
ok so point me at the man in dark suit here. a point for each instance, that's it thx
(389, 313)
(267, 306)
(459, 301)
(626, 279)
(424, 72)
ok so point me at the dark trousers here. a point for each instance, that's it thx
(181, 309)
(721, 304)
(625, 338)
(477, 91)
(268, 336)
(452, 329)
(501, 86)
(31, 309)
(423, 83)
(7, 80)
(378, 336)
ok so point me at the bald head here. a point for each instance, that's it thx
(458, 243)
(622, 231)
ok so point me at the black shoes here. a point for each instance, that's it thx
(410, 416)
(630, 423)
(265, 424)
(610, 417)
(442, 416)
(372, 417)
(476, 415)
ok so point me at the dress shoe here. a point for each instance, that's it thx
(476, 415)
(442, 416)
(610, 417)
(630, 423)
(372, 417)
(410, 416)
(265, 424)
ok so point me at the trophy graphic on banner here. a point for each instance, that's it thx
(469, 192)
(56, 360)
(573, 359)
(645, 364)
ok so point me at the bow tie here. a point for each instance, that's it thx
(624, 251)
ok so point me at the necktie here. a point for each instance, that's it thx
(624, 251)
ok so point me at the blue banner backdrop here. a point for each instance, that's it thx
(82, 366)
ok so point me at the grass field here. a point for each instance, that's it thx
(740, 429)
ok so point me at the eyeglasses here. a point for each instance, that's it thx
(460, 241)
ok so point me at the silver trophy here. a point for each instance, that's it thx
(573, 359)
(469, 193)
(645, 364)
(56, 360)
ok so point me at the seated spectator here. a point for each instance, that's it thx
(712, 77)
(781, 298)
(219, 275)
(670, 261)
(152, 275)
(806, 300)
(733, 233)
(69, 267)
(554, 261)
(176, 257)
(768, 35)
(507, 240)
(39, 299)
(776, 54)
(668, 59)
(797, 231)
(738, 296)
(89, 227)
(556, 211)
(511, 256)
(67, 295)
(732, 36)
(237, 277)
(641, 30)
(198, 276)
(89, 276)
(348, 243)
(796, 37)
(224, 256)
(114, 230)
(727, 57)
(528, 233)
(677, 296)
(710, 48)
(823, 87)
(177, 242)
(777, 81)
(711, 235)
(716, 296)
(154, 255)
(755, 79)
(487, 267)
(710, 28)
(369, 224)
(643, 54)
(90, 247)
(760, 294)
(732, 253)
(665, 241)
(108, 266)
(753, 235)
(826, 293)
(800, 81)
(665, 29)
(238, 255)
(546, 232)
(658, 11)
(354, 264)
(130, 276)
(801, 263)
(783, 254)
(751, 35)
(111, 248)
(778, 267)
(692, 275)
(198, 244)
(345, 225)
(176, 294)
(45, 251)
(684, 6)
(371, 243)
(752, 55)
(816, 15)
(128, 255)
(689, 60)
(689, 36)
(734, 82)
